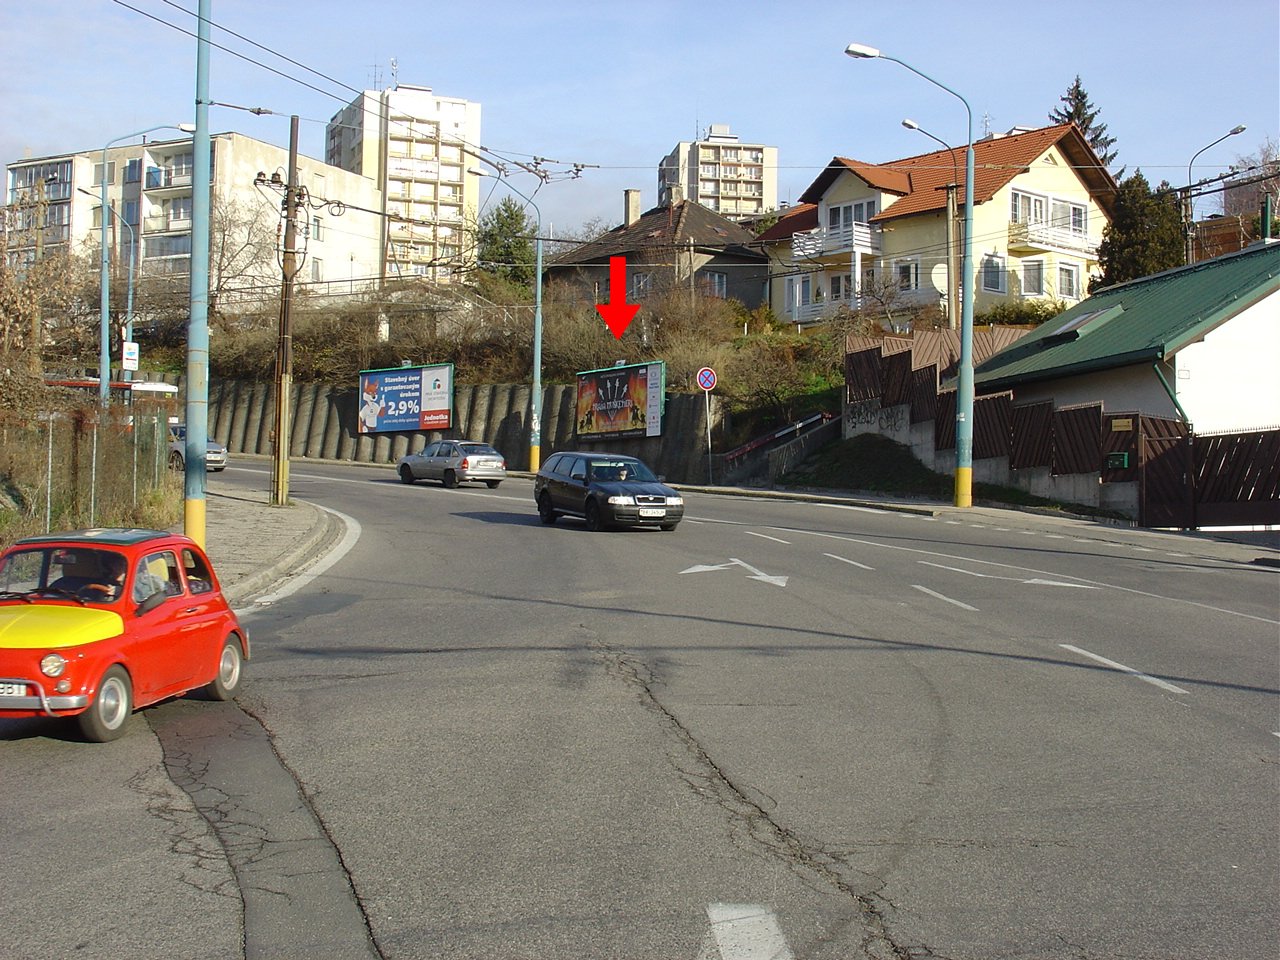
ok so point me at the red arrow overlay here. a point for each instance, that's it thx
(617, 313)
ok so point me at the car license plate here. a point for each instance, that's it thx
(13, 689)
(652, 512)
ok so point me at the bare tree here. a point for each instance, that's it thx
(1255, 177)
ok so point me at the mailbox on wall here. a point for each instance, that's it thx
(1118, 461)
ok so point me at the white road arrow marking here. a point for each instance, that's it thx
(733, 562)
(743, 931)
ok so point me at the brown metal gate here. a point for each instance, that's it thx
(1166, 495)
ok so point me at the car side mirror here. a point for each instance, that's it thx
(580, 477)
(149, 604)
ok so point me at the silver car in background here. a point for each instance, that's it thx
(453, 462)
(215, 454)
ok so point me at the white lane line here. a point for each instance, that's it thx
(852, 563)
(1002, 529)
(1039, 581)
(1163, 685)
(743, 931)
(1054, 536)
(941, 597)
(980, 526)
(765, 537)
(954, 523)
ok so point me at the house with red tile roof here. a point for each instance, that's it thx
(880, 235)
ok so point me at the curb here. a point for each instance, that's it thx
(325, 529)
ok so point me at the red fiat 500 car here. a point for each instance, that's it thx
(96, 623)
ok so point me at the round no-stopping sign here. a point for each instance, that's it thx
(707, 378)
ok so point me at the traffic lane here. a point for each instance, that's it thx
(1050, 781)
(1145, 562)
(1225, 653)
(508, 782)
(99, 831)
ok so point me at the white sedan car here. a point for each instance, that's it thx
(453, 462)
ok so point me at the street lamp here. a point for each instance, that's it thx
(952, 274)
(104, 345)
(964, 391)
(1188, 215)
(535, 419)
(133, 263)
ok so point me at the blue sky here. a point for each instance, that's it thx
(618, 84)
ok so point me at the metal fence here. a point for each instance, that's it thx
(86, 467)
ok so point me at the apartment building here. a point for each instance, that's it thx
(733, 178)
(414, 144)
(149, 196)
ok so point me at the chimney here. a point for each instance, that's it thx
(676, 192)
(630, 207)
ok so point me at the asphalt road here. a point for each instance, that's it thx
(783, 730)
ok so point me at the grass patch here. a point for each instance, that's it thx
(875, 464)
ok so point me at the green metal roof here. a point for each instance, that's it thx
(1137, 322)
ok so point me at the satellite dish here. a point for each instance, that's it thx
(938, 277)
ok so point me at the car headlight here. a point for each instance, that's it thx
(52, 664)
(621, 501)
(675, 501)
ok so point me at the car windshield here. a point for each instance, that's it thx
(87, 573)
(609, 471)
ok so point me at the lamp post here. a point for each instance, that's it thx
(104, 332)
(535, 417)
(964, 391)
(133, 261)
(1188, 209)
(953, 274)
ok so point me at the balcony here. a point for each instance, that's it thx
(829, 241)
(821, 310)
(1040, 238)
(167, 178)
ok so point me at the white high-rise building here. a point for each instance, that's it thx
(415, 145)
(720, 172)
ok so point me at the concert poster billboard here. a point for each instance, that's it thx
(619, 402)
(405, 398)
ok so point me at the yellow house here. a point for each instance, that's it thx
(888, 236)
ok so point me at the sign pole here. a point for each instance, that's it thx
(707, 381)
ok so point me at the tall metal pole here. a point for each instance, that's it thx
(964, 388)
(284, 349)
(197, 408)
(1188, 206)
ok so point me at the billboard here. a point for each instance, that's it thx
(621, 402)
(405, 398)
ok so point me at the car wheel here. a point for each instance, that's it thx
(106, 716)
(406, 475)
(667, 527)
(175, 461)
(227, 681)
(493, 484)
(595, 521)
(545, 513)
(450, 479)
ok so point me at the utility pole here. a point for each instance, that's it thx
(284, 349)
(953, 268)
(37, 311)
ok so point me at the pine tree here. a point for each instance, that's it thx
(1084, 115)
(504, 245)
(1145, 235)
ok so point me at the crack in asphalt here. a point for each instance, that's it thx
(707, 780)
(298, 895)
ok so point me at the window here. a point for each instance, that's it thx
(317, 269)
(993, 273)
(712, 283)
(111, 172)
(130, 212)
(1033, 278)
(171, 246)
(1069, 281)
(1068, 216)
(908, 274)
(317, 229)
(183, 164)
(199, 579)
(1027, 208)
(133, 170)
(180, 209)
(157, 573)
(640, 283)
(842, 287)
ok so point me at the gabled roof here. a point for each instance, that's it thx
(803, 217)
(664, 227)
(919, 181)
(1137, 322)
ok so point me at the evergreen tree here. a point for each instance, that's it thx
(505, 242)
(1145, 235)
(1084, 115)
